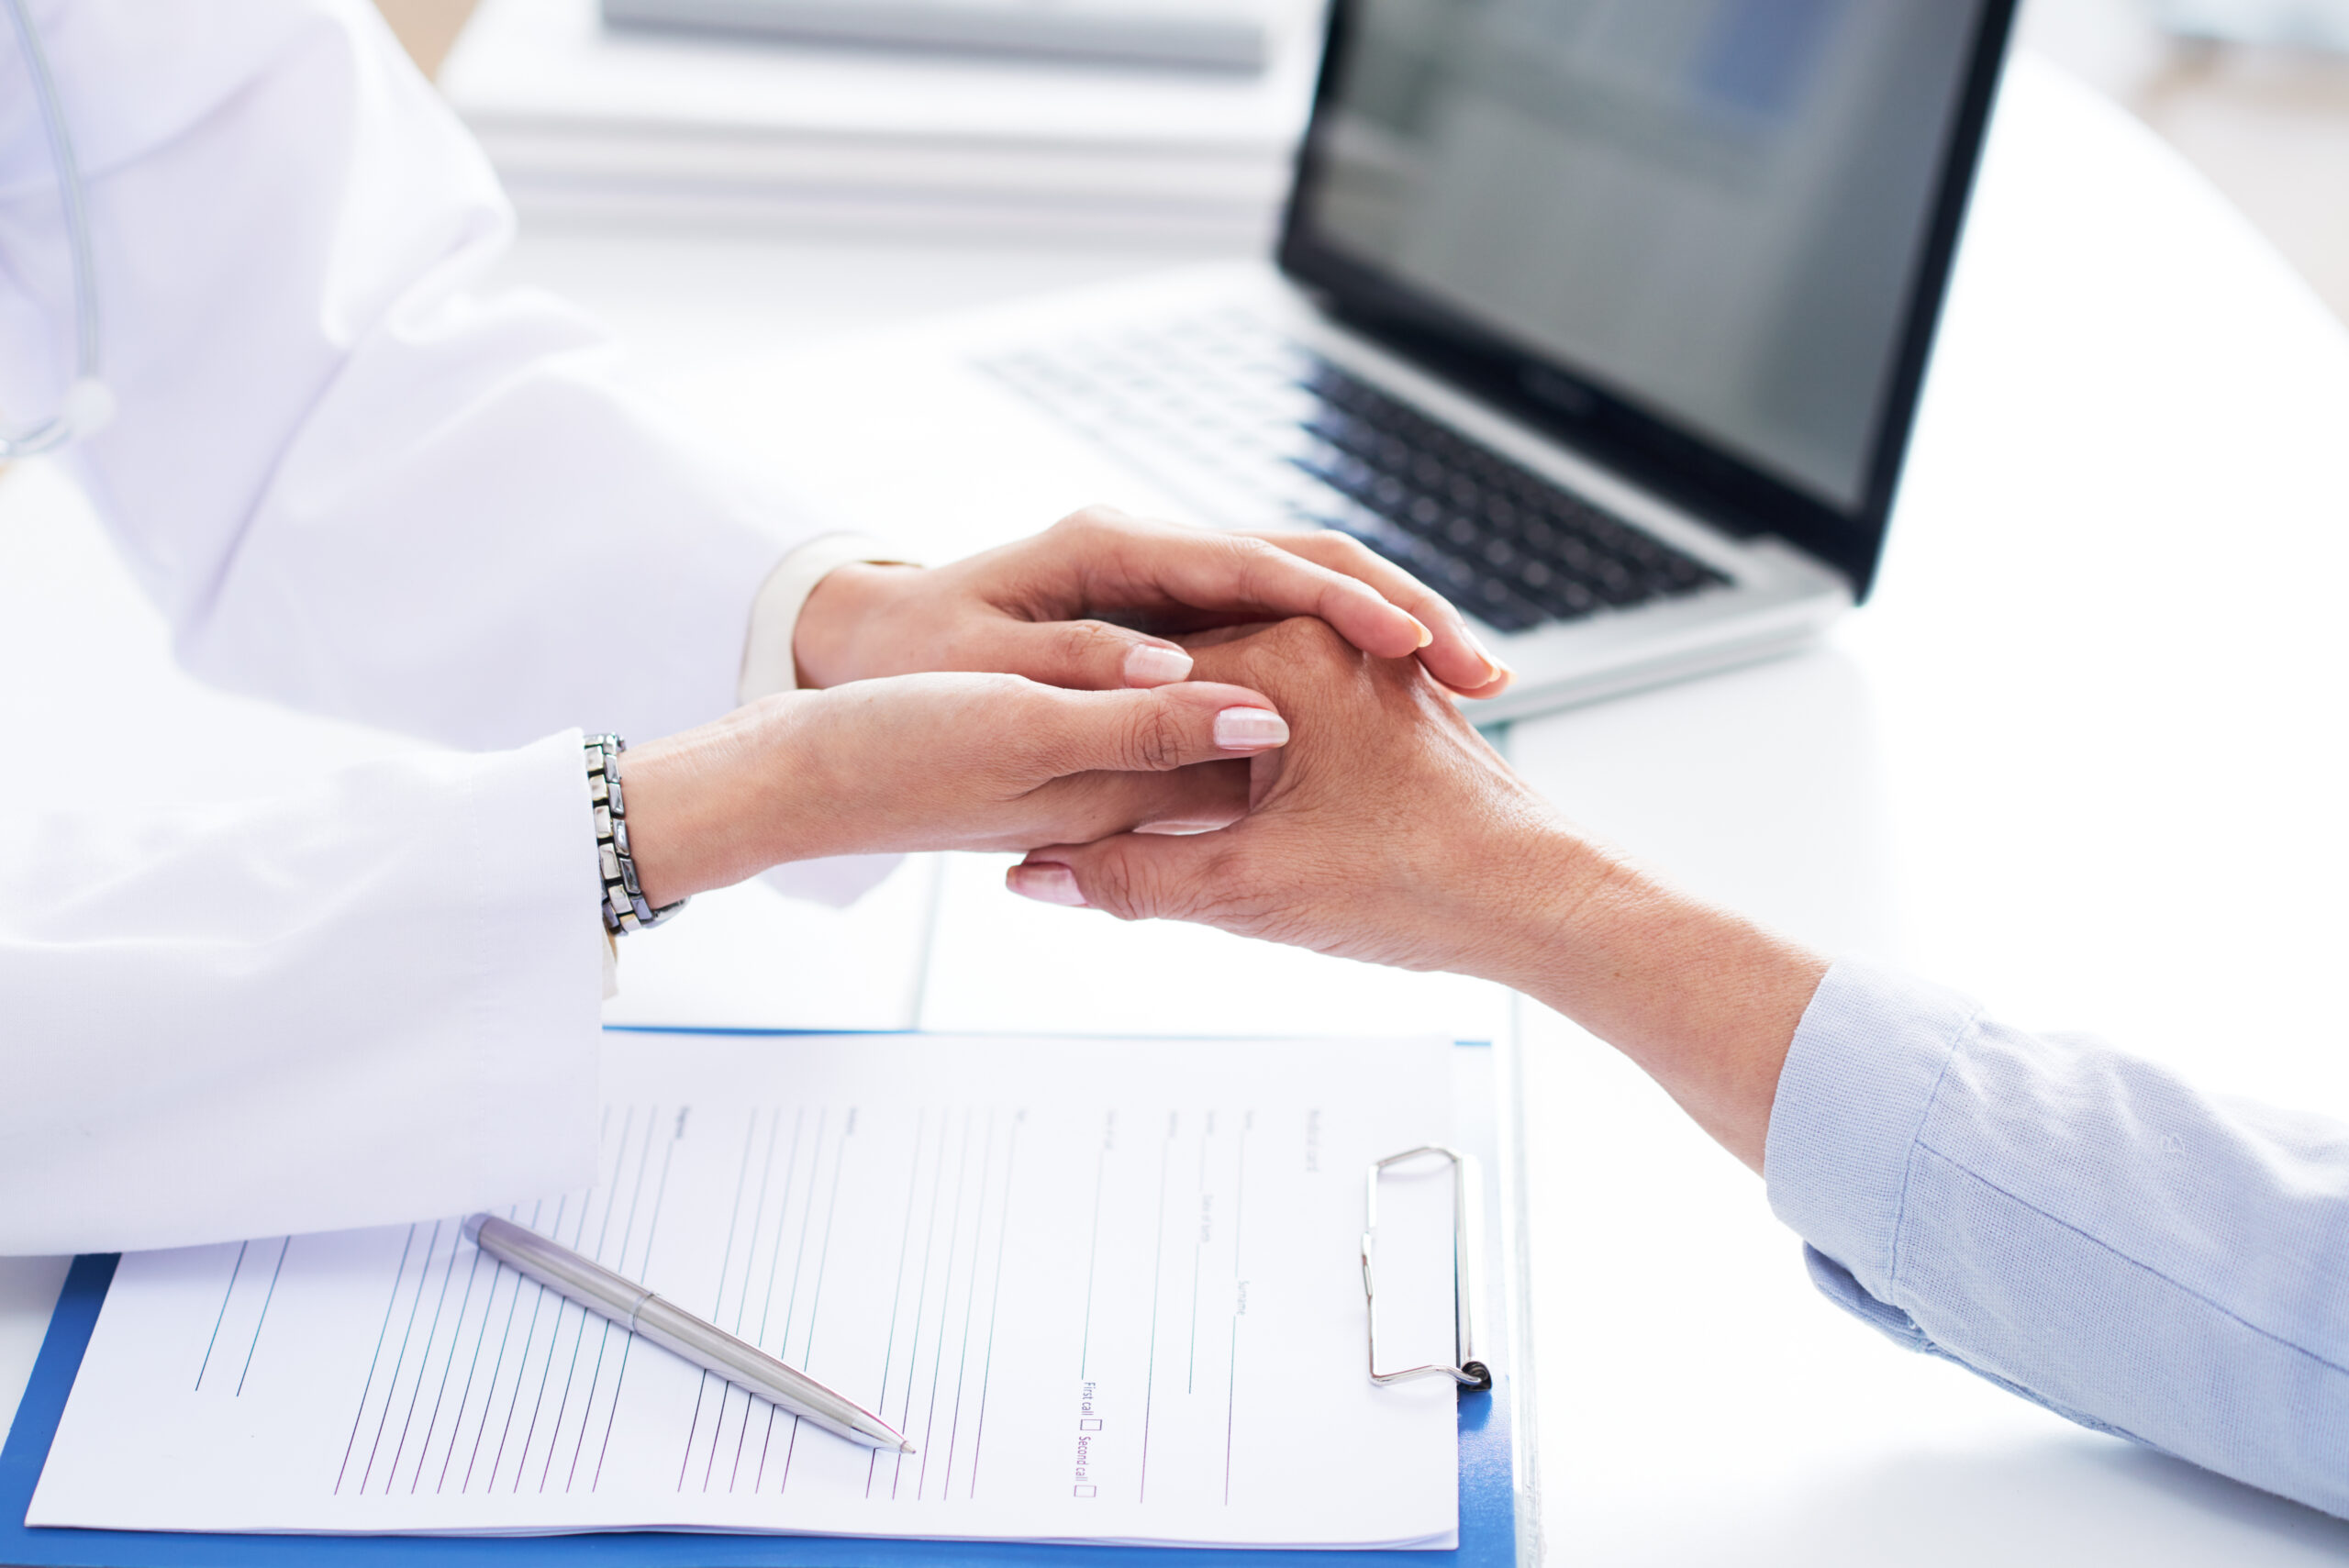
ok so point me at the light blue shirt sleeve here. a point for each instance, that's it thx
(2077, 1225)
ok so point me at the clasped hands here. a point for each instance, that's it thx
(1289, 765)
(972, 706)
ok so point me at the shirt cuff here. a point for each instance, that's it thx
(768, 666)
(1859, 1079)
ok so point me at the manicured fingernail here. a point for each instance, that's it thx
(1176, 827)
(1493, 668)
(1148, 664)
(1046, 883)
(1426, 636)
(1250, 730)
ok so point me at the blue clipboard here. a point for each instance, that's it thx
(1492, 1534)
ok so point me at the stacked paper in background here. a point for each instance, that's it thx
(582, 120)
(1225, 35)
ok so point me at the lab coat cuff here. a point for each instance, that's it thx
(1859, 1081)
(768, 665)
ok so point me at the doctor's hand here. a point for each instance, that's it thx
(936, 761)
(1023, 608)
(1388, 830)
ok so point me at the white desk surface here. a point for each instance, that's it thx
(2082, 755)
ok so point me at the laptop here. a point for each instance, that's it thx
(1605, 317)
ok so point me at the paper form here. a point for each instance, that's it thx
(1109, 1289)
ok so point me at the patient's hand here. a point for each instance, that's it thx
(1019, 609)
(1387, 830)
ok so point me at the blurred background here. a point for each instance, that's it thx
(2255, 93)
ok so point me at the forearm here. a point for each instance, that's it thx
(2078, 1226)
(1704, 1001)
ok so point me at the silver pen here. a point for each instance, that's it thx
(707, 1346)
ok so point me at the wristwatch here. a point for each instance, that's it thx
(624, 905)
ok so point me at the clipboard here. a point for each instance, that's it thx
(1499, 1517)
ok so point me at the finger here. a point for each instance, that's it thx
(1227, 573)
(1081, 656)
(1207, 800)
(1156, 730)
(1454, 654)
(1046, 882)
(1196, 799)
(1130, 876)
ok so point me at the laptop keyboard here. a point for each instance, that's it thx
(1256, 430)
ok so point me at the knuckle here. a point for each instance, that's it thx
(1073, 525)
(1308, 638)
(1155, 743)
(1079, 644)
(1252, 551)
(1258, 566)
(986, 691)
(1109, 887)
(1356, 559)
(1029, 716)
(1098, 517)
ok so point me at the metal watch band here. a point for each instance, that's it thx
(625, 908)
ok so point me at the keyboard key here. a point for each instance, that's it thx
(1563, 596)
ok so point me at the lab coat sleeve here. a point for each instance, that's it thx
(371, 1002)
(354, 481)
(2077, 1225)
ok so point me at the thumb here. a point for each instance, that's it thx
(1083, 655)
(1134, 876)
(1147, 732)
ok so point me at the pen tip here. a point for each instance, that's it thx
(904, 1448)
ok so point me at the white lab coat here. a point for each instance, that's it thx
(356, 487)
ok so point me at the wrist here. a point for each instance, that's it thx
(1526, 887)
(1703, 1001)
(838, 617)
(721, 803)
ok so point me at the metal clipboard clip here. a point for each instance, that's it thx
(1467, 1248)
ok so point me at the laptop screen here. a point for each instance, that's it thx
(1704, 229)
